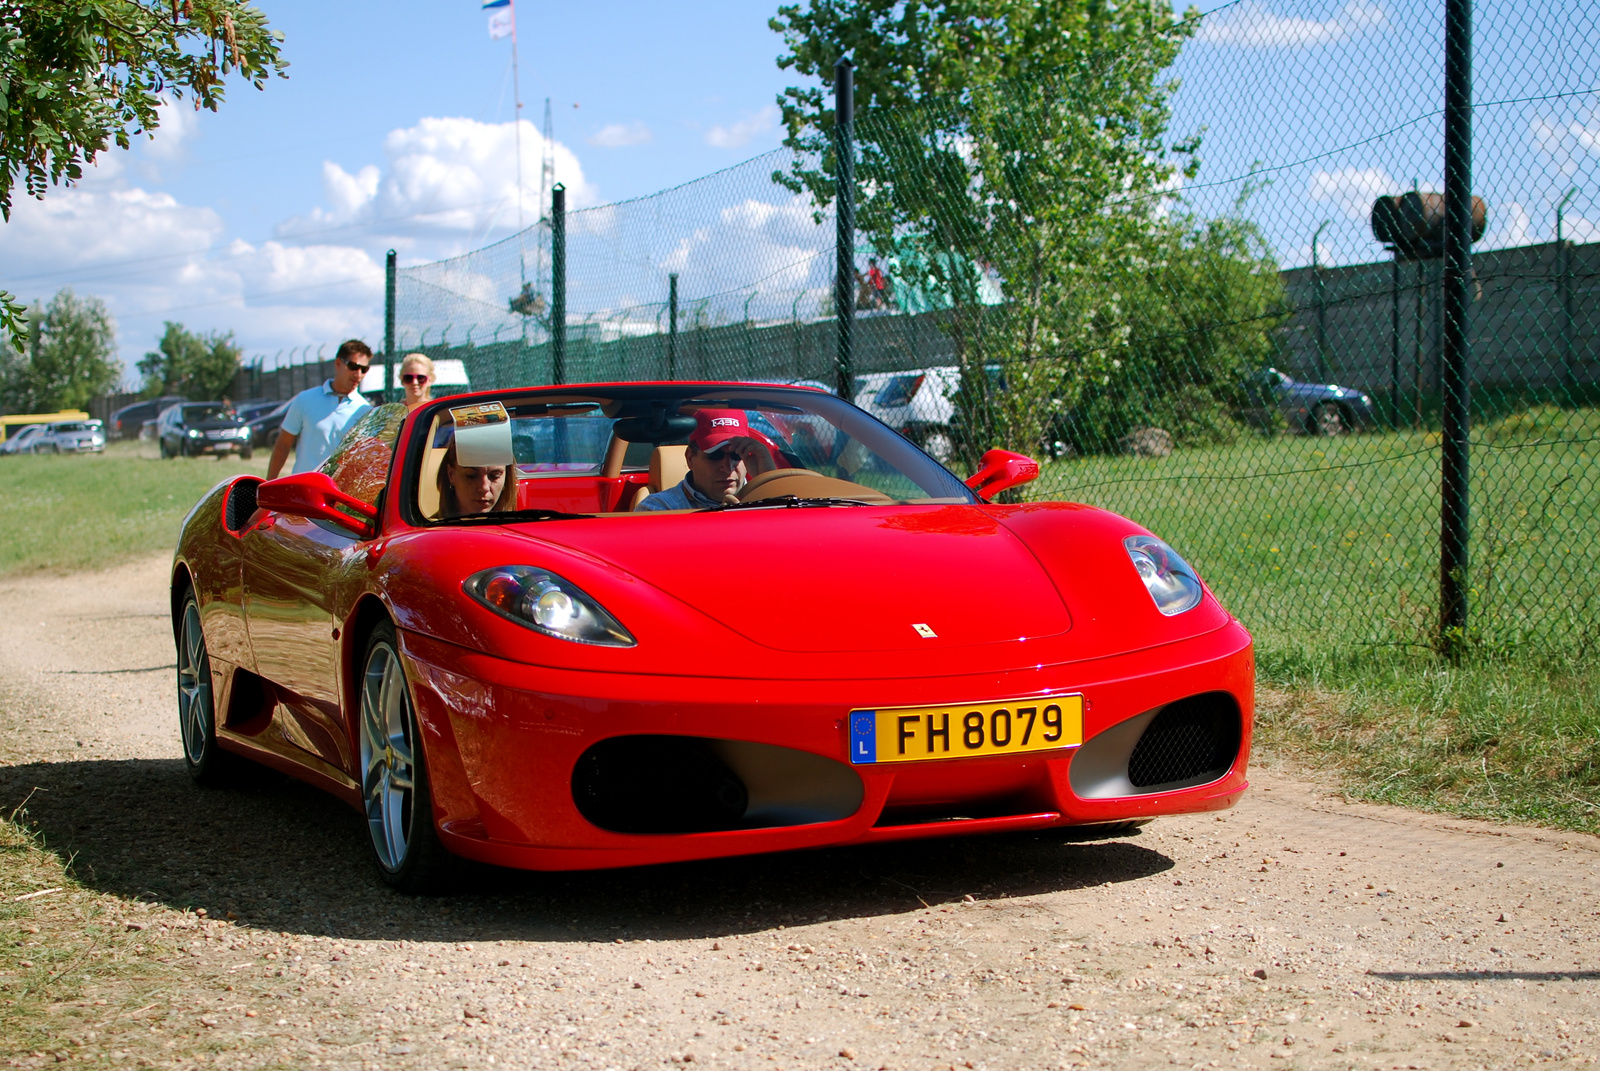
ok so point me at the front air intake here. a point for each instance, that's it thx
(1194, 738)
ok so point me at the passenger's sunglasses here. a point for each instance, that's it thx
(362, 368)
(408, 378)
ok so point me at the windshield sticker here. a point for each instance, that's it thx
(483, 435)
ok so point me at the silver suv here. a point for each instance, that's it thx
(72, 437)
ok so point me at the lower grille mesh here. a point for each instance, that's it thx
(1191, 738)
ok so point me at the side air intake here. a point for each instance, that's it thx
(1193, 741)
(1194, 737)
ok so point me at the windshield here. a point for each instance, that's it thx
(194, 414)
(528, 454)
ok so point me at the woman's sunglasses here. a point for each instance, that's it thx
(409, 378)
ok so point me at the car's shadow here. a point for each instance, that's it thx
(286, 857)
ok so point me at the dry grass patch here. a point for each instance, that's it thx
(1509, 741)
(85, 976)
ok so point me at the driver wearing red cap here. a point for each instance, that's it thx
(723, 452)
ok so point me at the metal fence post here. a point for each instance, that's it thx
(844, 201)
(1568, 378)
(558, 284)
(1322, 306)
(672, 326)
(388, 325)
(1394, 341)
(1456, 348)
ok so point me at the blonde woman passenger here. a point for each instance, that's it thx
(416, 376)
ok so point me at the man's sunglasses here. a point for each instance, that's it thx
(410, 378)
(729, 455)
(362, 368)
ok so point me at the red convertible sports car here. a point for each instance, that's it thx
(476, 627)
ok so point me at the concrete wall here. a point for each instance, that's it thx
(1519, 338)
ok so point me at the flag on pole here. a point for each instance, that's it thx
(502, 19)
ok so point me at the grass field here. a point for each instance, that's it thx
(1318, 544)
(65, 513)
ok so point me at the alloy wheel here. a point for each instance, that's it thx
(194, 688)
(388, 763)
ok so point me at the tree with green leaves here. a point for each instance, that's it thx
(77, 75)
(68, 359)
(199, 367)
(1022, 143)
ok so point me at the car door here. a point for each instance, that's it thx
(300, 578)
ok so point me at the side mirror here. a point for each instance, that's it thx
(313, 495)
(1002, 469)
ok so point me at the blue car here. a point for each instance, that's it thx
(1307, 408)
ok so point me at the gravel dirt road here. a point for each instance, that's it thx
(1296, 931)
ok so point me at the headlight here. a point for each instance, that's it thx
(193, 433)
(1169, 579)
(541, 600)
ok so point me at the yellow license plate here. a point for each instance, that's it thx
(916, 734)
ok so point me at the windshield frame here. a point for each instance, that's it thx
(852, 416)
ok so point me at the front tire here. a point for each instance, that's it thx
(245, 452)
(394, 774)
(1328, 420)
(207, 763)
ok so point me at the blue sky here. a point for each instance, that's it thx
(644, 95)
(271, 217)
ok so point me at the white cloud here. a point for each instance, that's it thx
(348, 194)
(154, 258)
(95, 223)
(178, 122)
(449, 178)
(1567, 143)
(1513, 227)
(1253, 24)
(1352, 189)
(741, 133)
(621, 135)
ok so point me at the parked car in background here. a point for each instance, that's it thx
(1307, 408)
(919, 404)
(127, 422)
(264, 424)
(72, 437)
(23, 440)
(196, 428)
(251, 408)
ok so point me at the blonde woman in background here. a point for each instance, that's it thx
(416, 376)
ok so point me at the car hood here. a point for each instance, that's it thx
(837, 579)
(213, 425)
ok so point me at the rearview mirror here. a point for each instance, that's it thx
(1002, 469)
(314, 495)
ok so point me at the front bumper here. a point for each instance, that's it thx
(502, 740)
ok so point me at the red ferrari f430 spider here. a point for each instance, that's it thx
(597, 626)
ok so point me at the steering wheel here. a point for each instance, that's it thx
(807, 483)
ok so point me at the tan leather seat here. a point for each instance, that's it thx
(668, 467)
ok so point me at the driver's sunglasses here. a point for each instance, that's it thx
(724, 455)
(409, 378)
(362, 368)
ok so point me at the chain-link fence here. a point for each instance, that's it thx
(1157, 271)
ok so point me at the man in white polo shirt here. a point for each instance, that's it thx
(317, 417)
